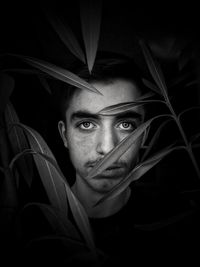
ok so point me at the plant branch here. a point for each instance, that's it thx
(187, 144)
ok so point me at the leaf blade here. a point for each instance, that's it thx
(78, 211)
(54, 187)
(60, 74)
(154, 69)
(19, 143)
(151, 86)
(58, 222)
(136, 173)
(66, 35)
(117, 151)
(90, 13)
(154, 138)
(7, 84)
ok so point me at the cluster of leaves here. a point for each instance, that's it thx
(19, 141)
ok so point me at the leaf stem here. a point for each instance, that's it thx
(187, 144)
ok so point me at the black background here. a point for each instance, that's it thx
(25, 30)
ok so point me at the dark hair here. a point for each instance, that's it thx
(107, 67)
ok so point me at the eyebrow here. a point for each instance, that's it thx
(82, 114)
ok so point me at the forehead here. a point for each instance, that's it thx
(115, 92)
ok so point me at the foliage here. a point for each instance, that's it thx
(23, 150)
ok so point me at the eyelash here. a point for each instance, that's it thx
(81, 127)
(84, 122)
(131, 124)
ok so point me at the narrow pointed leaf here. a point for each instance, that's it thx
(59, 223)
(90, 13)
(54, 187)
(66, 35)
(145, 96)
(123, 107)
(61, 74)
(136, 173)
(19, 156)
(194, 138)
(155, 138)
(151, 86)
(179, 79)
(77, 209)
(7, 84)
(187, 110)
(119, 150)
(154, 69)
(192, 83)
(22, 71)
(164, 223)
(18, 143)
(44, 83)
(81, 219)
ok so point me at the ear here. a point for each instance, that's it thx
(62, 131)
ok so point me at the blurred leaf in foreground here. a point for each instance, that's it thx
(19, 143)
(60, 74)
(137, 173)
(7, 84)
(90, 12)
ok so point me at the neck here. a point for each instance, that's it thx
(89, 198)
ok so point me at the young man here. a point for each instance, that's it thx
(89, 136)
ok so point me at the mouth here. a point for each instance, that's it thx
(113, 172)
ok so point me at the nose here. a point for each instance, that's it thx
(106, 141)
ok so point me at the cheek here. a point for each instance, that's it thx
(131, 155)
(80, 146)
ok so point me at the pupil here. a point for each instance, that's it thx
(86, 124)
(125, 124)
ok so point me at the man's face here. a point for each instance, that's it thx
(89, 136)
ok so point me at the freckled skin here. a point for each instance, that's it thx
(90, 146)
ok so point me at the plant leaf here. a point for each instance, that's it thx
(194, 138)
(187, 110)
(44, 83)
(61, 224)
(154, 138)
(119, 150)
(90, 13)
(145, 96)
(66, 35)
(151, 86)
(18, 143)
(164, 223)
(123, 107)
(192, 83)
(77, 209)
(7, 84)
(154, 69)
(60, 74)
(53, 185)
(136, 173)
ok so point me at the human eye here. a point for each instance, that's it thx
(127, 126)
(86, 125)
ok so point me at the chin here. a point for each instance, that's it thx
(103, 186)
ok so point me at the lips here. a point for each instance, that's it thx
(112, 172)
